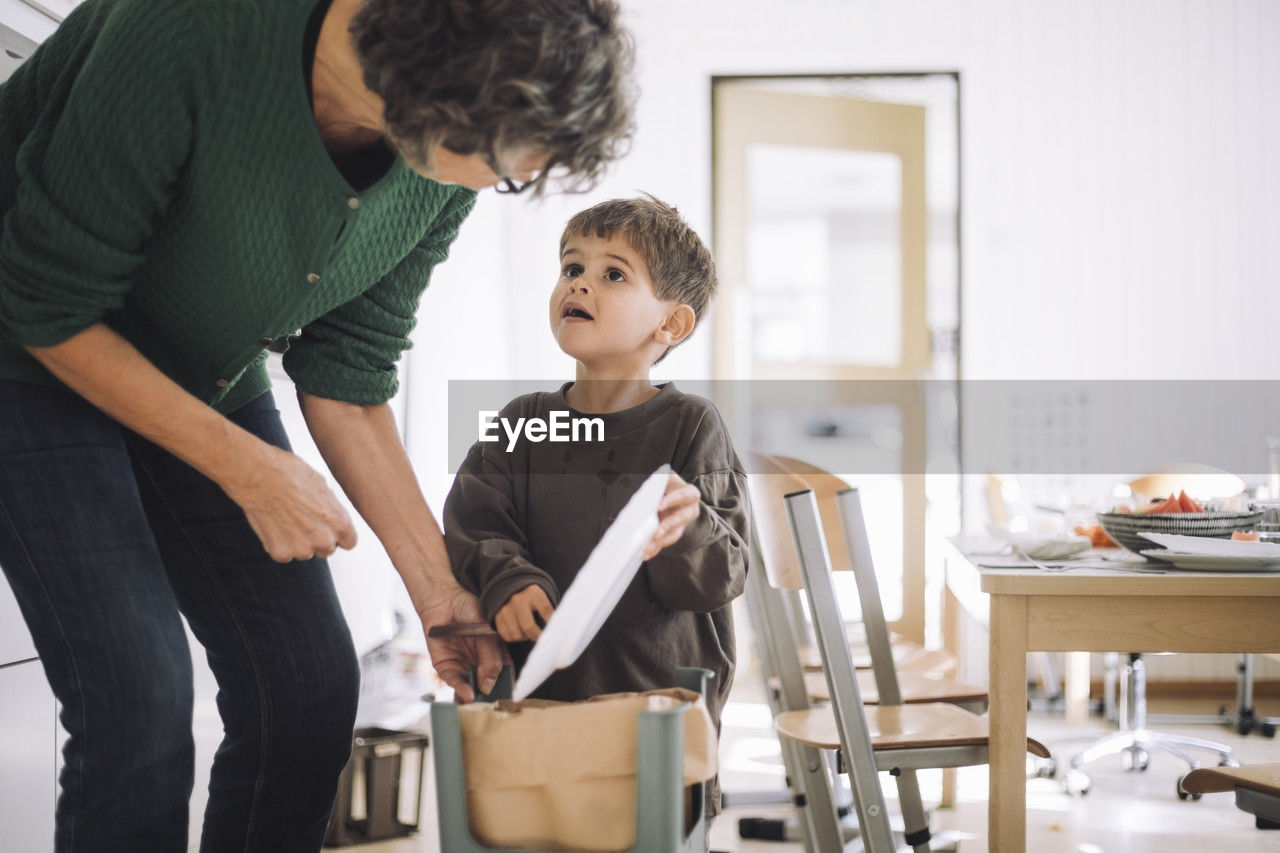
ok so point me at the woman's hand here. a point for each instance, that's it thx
(290, 507)
(454, 656)
(679, 508)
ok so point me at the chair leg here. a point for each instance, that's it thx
(1226, 758)
(806, 768)
(1109, 676)
(1050, 680)
(1109, 745)
(914, 820)
(948, 788)
(1152, 745)
(816, 794)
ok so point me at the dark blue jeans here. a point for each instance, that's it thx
(105, 538)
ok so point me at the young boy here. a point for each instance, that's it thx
(519, 523)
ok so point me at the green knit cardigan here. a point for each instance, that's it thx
(161, 171)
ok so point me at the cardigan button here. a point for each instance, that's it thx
(313, 278)
(353, 203)
(221, 383)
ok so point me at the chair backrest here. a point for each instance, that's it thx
(833, 643)
(768, 483)
(825, 486)
(849, 505)
(840, 509)
(773, 605)
(1199, 481)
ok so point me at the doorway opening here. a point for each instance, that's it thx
(836, 207)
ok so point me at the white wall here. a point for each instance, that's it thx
(1113, 154)
(1119, 168)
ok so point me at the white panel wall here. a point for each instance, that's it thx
(1114, 154)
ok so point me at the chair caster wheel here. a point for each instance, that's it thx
(1047, 769)
(1078, 783)
(1244, 726)
(1268, 729)
(1137, 759)
(1185, 795)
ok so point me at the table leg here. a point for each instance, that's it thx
(1076, 688)
(950, 622)
(950, 642)
(1007, 807)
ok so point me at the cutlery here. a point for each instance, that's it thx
(1059, 567)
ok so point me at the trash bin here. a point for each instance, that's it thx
(380, 790)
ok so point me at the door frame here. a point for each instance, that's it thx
(731, 356)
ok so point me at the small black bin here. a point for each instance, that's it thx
(380, 784)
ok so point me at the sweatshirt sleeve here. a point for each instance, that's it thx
(483, 534)
(97, 171)
(350, 353)
(706, 568)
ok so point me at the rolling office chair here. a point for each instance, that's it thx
(1133, 740)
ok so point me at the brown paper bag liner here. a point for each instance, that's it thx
(561, 775)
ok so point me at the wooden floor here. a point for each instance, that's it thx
(1123, 813)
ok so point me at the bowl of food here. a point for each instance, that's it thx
(1179, 514)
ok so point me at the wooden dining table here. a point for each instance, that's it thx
(1103, 609)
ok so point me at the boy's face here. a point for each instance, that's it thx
(604, 312)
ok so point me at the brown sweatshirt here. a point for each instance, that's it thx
(531, 515)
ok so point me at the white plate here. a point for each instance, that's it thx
(1211, 563)
(595, 591)
(1208, 546)
(1039, 547)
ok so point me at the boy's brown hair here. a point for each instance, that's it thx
(679, 263)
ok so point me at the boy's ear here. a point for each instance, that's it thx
(677, 326)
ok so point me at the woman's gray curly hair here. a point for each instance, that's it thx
(494, 76)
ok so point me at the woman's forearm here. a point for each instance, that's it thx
(363, 449)
(286, 503)
(105, 369)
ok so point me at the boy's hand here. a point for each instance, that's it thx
(516, 622)
(678, 509)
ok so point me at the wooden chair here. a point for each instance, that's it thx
(920, 678)
(915, 689)
(892, 736)
(908, 655)
(922, 672)
(818, 811)
(1257, 788)
(781, 636)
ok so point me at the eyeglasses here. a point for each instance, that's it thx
(505, 185)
